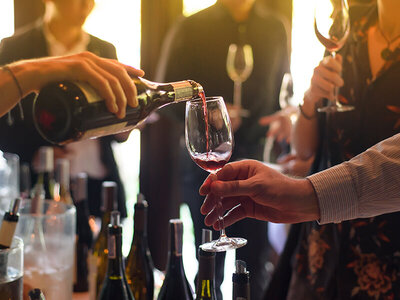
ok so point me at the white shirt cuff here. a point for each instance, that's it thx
(337, 196)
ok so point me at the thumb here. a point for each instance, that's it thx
(231, 188)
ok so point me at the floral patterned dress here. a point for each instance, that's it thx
(358, 259)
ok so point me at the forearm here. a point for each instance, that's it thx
(366, 186)
(305, 130)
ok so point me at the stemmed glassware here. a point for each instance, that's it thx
(239, 65)
(332, 27)
(209, 140)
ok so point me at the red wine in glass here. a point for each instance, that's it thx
(203, 98)
(332, 27)
(332, 44)
(210, 162)
(209, 140)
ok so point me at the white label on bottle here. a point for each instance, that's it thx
(89, 92)
(111, 247)
(183, 90)
(7, 232)
(105, 130)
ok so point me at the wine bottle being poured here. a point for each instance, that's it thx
(70, 111)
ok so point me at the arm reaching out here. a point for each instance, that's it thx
(252, 190)
(108, 77)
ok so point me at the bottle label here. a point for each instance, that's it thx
(7, 232)
(89, 92)
(183, 90)
(112, 251)
(105, 130)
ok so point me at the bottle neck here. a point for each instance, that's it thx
(241, 286)
(206, 276)
(46, 179)
(115, 266)
(105, 220)
(175, 261)
(140, 226)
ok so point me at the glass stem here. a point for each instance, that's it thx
(221, 218)
(336, 90)
(237, 93)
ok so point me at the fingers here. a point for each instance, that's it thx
(236, 211)
(85, 72)
(120, 72)
(234, 215)
(327, 76)
(111, 79)
(120, 99)
(205, 187)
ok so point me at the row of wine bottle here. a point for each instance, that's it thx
(136, 280)
(92, 259)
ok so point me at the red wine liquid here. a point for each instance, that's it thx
(209, 162)
(203, 97)
(332, 45)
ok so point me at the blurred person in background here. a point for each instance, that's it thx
(357, 258)
(59, 32)
(197, 48)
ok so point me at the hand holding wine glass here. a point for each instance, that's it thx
(209, 140)
(332, 27)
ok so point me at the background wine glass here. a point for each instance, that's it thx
(285, 101)
(239, 65)
(209, 141)
(332, 27)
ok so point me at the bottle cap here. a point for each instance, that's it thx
(240, 267)
(80, 187)
(115, 218)
(15, 207)
(25, 180)
(141, 202)
(206, 236)
(36, 294)
(62, 172)
(176, 227)
(46, 159)
(109, 196)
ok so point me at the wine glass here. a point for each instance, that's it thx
(209, 140)
(239, 65)
(285, 103)
(332, 27)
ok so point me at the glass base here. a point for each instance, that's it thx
(335, 108)
(224, 243)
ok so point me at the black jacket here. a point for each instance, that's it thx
(21, 137)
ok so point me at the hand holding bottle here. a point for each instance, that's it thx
(111, 79)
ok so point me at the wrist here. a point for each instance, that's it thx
(307, 200)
